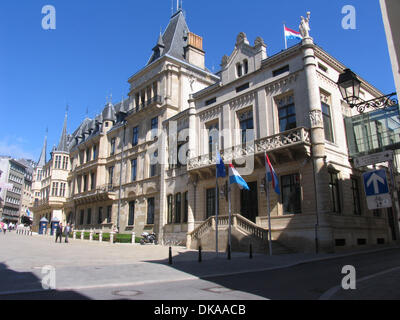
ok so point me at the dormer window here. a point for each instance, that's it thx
(246, 66)
(239, 71)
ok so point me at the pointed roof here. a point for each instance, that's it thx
(63, 144)
(42, 160)
(174, 39)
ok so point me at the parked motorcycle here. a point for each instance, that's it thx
(148, 238)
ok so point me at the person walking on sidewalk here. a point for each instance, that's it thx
(5, 228)
(59, 231)
(67, 230)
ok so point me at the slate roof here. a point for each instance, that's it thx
(174, 38)
(42, 160)
(63, 144)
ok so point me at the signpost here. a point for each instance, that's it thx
(377, 190)
(373, 159)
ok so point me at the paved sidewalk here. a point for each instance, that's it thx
(83, 264)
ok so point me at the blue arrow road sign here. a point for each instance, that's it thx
(375, 183)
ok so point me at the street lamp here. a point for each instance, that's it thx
(349, 86)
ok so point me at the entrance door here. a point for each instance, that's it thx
(249, 202)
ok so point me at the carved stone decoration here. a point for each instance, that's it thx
(243, 101)
(305, 26)
(241, 38)
(211, 113)
(224, 61)
(316, 118)
(259, 42)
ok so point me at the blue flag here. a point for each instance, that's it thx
(221, 172)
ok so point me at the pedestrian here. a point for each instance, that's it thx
(67, 231)
(5, 227)
(59, 231)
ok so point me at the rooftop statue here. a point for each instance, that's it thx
(305, 26)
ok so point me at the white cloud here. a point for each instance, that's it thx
(12, 147)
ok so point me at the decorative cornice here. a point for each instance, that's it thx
(210, 113)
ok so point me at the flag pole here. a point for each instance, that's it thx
(284, 35)
(268, 207)
(229, 223)
(216, 200)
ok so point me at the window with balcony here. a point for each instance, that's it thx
(150, 211)
(287, 113)
(92, 181)
(85, 184)
(62, 189)
(291, 194)
(82, 217)
(110, 175)
(246, 124)
(213, 136)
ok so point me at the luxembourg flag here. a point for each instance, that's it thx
(234, 177)
(290, 34)
(271, 175)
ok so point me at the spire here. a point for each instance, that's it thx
(63, 145)
(42, 160)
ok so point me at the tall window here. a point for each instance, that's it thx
(153, 164)
(92, 181)
(213, 136)
(54, 191)
(291, 194)
(110, 175)
(57, 162)
(112, 146)
(287, 113)
(135, 137)
(210, 202)
(133, 170)
(62, 189)
(178, 205)
(88, 155)
(65, 163)
(334, 190)
(186, 207)
(239, 71)
(169, 205)
(89, 216)
(94, 152)
(356, 196)
(246, 123)
(154, 127)
(131, 218)
(85, 185)
(326, 115)
(82, 216)
(109, 214)
(150, 211)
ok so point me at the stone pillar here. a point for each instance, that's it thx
(91, 235)
(74, 235)
(101, 236)
(133, 237)
(164, 164)
(112, 237)
(317, 134)
(83, 235)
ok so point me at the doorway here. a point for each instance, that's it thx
(249, 202)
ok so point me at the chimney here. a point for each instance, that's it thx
(194, 50)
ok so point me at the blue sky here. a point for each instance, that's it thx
(98, 45)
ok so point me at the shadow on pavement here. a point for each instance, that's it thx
(27, 286)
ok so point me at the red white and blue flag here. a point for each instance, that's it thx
(235, 177)
(291, 34)
(271, 175)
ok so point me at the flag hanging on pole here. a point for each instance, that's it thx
(221, 172)
(235, 177)
(291, 34)
(271, 175)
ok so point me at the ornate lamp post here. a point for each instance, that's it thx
(349, 86)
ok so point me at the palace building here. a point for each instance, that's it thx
(147, 163)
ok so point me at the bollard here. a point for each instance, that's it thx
(133, 237)
(170, 256)
(101, 236)
(82, 234)
(251, 251)
(74, 235)
(199, 253)
(112, 237)
(91, 235)
(229, 252)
